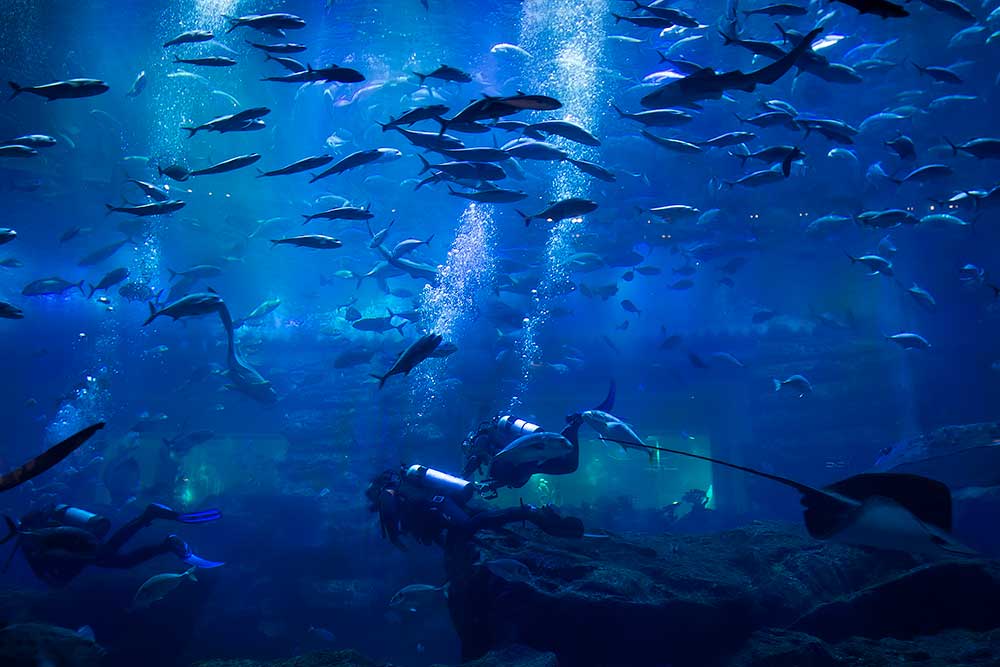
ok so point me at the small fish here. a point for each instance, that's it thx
(418, 597)
(910, 341)
(630, 307)
(796, 383)
(158, 587)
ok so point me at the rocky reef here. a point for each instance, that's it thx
(757, 596)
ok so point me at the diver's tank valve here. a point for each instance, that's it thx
(78, 518)
(441, 483)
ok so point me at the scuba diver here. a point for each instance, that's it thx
(512, 449)
(60, 541)
(432, 507)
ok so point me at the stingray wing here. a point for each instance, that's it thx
(927, 499)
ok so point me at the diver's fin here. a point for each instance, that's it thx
(927, 499)
(203, 516)
(197, 561)
(609, 401)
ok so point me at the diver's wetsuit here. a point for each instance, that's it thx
(405, 508)
(57, 553)
(485, 444)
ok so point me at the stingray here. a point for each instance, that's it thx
(972, 460)
(897, 511)
(47, 459)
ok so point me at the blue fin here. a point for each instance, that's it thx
(609, 401)
(197, 561)
(203, 516)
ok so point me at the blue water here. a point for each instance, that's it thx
(536, 312)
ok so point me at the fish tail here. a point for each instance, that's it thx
(152, 314)
(176, 59)
(954, 148)
(381, 379)
(16, 88)
(422, 77)
(786, 165)
(617, 17)
(742, 156)
(110, 209)
(12, 530)
(423, 160)
(233, 24)
(400, 327)
(92, 290)
(527, 218)
(727, 39)
(777, 384)
(620, 112)
(307, 218)
(428, 241)
(79, 286)
(191, 131)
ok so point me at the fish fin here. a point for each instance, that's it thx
(609, 400)
(954, 148)
(48, 458)
(152, 313)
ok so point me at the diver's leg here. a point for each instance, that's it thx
(130, 559)
(125, 533)
(150, 514)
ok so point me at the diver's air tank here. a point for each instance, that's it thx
(78, 518)
(441, 483)
(510, 428)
